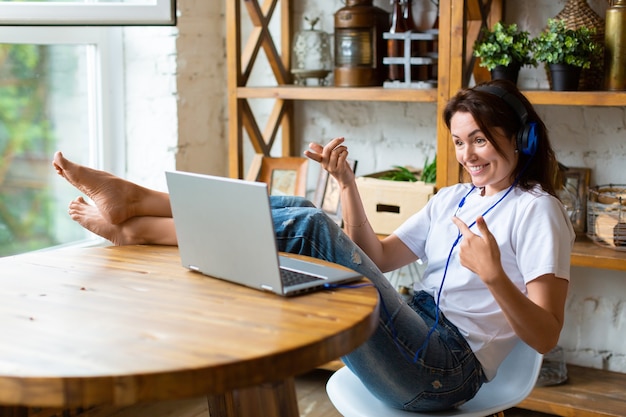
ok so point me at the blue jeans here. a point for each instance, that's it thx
(445, 373)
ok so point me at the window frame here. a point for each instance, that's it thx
(34, 13)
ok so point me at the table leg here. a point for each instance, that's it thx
(277, 399)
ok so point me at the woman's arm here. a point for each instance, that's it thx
(389, 253)
(537, 318)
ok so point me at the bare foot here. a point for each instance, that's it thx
(138, 230)
(91, 219)
(115, 198)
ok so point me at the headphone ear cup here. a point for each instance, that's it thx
(527, 139)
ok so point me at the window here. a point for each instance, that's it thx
(61, 87)
(87, 12)
(58, 87)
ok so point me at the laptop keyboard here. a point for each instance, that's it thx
(290, 277)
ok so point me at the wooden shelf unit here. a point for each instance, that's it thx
(458, 19)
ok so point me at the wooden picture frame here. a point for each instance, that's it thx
(573, 194)
(283, 175)
(327, 194)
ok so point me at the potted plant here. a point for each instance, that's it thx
(400, 173)
(503, 50)
(566, 52)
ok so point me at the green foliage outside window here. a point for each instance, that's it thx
(25, 141)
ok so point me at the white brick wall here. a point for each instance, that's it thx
(151, 117)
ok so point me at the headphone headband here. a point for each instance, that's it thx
(509, 98)
(527, 136)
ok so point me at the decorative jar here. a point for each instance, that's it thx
(312, 58)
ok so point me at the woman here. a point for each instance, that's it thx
(484, 287)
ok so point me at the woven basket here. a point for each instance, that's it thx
(606, 216)
(577, 13)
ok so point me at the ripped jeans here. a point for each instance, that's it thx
(445, 373)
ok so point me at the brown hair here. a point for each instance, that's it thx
(491, 112)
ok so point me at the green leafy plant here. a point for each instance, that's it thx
(560, 45)
(400, 173)
(503, 45)
(429, 173)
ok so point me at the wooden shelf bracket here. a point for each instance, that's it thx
(241, 61)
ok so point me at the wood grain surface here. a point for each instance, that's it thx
(124, 325)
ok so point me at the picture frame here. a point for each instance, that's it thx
(573, 194)
(283, 175)
(327, 193)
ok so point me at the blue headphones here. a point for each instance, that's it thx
(526, 138)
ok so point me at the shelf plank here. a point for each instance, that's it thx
(576, 98)
(588, 254)
(537, 97)
(587, 393)
(292, 92)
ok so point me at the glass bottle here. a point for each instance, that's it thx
(418, 47)
(395, 47)
(433, 47)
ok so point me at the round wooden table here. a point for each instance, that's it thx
(128, 325)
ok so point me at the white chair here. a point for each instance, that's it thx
(515, 380)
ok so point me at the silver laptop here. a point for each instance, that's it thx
(225, 230)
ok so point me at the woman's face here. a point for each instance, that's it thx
(487, 167)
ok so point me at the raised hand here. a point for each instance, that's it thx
(332, 158)
(479, 253)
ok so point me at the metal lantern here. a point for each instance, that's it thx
(359, 44)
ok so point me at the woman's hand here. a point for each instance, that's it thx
(479, 254)
(332, 158)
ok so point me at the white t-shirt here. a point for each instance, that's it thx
(535, 237)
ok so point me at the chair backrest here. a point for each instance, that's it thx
(515, 380)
